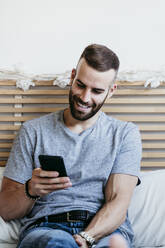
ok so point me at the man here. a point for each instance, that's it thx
(102, 158)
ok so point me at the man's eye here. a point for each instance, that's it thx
(97, 91)
(80, 85)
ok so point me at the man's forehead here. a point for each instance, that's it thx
(83, 69)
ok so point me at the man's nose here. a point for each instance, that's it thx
(85, 96)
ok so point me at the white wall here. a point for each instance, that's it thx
(48, 36)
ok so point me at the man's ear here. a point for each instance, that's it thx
(112, 90)
(73, 74)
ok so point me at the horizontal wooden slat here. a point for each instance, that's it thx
(50, 82)
(152, 127)
(153, 145)
(33, 100)
(139, 100)
(153, 154)
(145, 118)
(105, 109)
(15, 119)
(4, 154)
(65, 92)
(37, 83)
(2, 163)
(130, 109)
(140, 92)
(152, 164)
(153, 137)
(30, 110)
(34, 92)
(124, 118)
(7, 136)
(9, 127)
(5, 145)
(113, 100)
(136, 83)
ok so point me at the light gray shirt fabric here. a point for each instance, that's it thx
(109, 146)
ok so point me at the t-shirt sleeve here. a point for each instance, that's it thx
(20, 162)
(128, 159)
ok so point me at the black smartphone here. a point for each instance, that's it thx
(53, 163)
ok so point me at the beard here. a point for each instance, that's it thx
(80, 115)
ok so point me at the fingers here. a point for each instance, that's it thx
(42, 173)
(80, 241)
(45, 182)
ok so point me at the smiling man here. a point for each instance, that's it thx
(102, 157)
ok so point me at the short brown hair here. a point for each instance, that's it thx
(100, 58)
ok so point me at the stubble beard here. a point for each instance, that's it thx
(81, 116)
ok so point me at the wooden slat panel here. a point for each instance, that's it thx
(133, 98)
(10, 127)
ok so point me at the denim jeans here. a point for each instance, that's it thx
(57, 235)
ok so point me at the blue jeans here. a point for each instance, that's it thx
(57, 235)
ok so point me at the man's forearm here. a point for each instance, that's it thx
(14, 204)
(108, 219)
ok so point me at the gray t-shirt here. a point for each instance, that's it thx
(109, 146)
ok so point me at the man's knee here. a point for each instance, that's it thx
(48, 238)
(117, 241)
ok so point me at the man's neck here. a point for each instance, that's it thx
(78, 126)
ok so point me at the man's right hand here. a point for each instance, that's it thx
(44, 182)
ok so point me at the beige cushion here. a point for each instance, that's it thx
(147, 210)
(9, 231)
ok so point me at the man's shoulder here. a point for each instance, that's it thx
(117, 124)
(45, 120)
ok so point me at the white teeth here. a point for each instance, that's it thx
(82, 106)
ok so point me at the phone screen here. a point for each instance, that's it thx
(53, 163)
